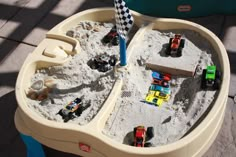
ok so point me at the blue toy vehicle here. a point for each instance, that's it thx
(159, 76)
(155, 87)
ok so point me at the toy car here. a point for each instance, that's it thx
(103, 62)
(159, 76)
(175, 46)
(141, 135)
(74, 107)
(161, 83)
(150, 98)
(160, 95)
(112, 37)
(160, 88)
(156, 97)
(211, 78)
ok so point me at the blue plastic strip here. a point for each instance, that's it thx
(122, 51)
(34, 148)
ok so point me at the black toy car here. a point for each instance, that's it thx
(74, 107)
(103, 62)
(111, 37)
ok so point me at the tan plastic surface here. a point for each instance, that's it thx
(66, 136)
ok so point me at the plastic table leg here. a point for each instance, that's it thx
(34, 148)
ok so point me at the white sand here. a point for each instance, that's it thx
(186, 105)
(77, 79)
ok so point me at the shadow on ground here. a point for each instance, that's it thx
(8, 79)
(232, 59)
(11, 144)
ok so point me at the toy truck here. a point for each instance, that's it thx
(211, 78)
(141, 135)
(175, 46)
(103, 62)
(112, 37)
(74, 107)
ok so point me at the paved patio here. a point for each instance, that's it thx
(23, 24)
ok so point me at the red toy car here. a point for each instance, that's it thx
(175, 46)
(161, 83)
(141, 136)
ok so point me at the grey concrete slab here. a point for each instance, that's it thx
(23, 22)
(11, 65)
(224, 145)
(14, 61)
(228, 37)
(88, 4)
(228, 33)
(63, 10)
(9, 8)
(7, 79)
(213, 23)
(6, 48)
(26, 19)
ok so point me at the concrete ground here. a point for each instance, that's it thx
(23, 24)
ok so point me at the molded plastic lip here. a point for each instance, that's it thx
(194, 144)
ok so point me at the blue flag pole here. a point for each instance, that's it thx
(122, 51)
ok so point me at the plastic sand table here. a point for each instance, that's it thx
(60, 70)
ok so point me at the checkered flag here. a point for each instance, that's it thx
(124, 19)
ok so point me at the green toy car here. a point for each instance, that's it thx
(211, 78)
